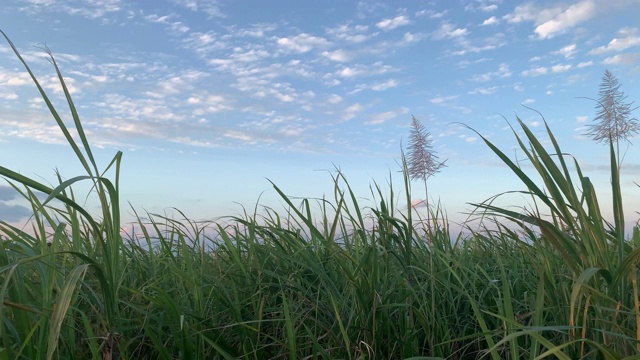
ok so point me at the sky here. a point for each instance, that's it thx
(210, 100)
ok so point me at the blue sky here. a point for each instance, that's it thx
(208, 99)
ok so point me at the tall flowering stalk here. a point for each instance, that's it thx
(422, 161)
(613, 121)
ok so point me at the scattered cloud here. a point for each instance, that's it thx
(483, 90)
(555, 19)
(358, 70)
(391, 83)
(339, 55)
(94, 9)
(537, 71)
(209, 7)
(490, 21)
(502, 72)
(431, 13)
(582, 118)
(440, 100)
(448, 30)
(380, 118)
(302, 43)
(584, 64)
(411, 37)
(351, 34)
(352, 111)
(572, 16)
(482, 5)
(627, 37)
(622, 59)
(560, 68)
(567, 51)
(390, 24)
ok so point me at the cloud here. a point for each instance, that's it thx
(390, 24)
(537, 71)
(448, 30)
(431, 13)
(352, 111)
(567, 51)
(352, 34)
(582, 119)
(479, 45)
(411, 37)
(380, 118)
(574, 15)
(560, 68)
(8, 212)
(379, 86)
(490, 21)
(7, 193)
(14, 213)
(302, 43)
(443, 100)
(622, 59)
(209, 7)
(584, 64)
(338, 55)
(483, 91)
(90, 9)
(502, 72)
(481, 5)
(391, 83)
(357, 70)
(554, 19)
(627, 37)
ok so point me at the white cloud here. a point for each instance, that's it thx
(440, 100)
(411, 37)
(627, 37)
(567, 51)
(560, 68)
(391, 83)
(490, 21)
(5, 95)
(384, 117)
(482, 5)
(337, 55)
(302, 43)
(623, 59)
(352, 111)
(351, 34)
(448, 30)
(377, 68)
(390, 24)
(574, 15)
(584, 64)
(209, 7)
(582, 119)
(554, 19)
(541, 70)
(334, 99)
(431, 13)
(502, 72)
(528, 101)
(483, 91)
